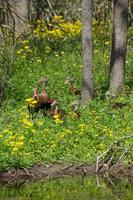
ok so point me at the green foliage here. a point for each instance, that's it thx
(25, 142)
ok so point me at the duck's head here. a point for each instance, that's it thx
(43, 81)
(75, 105)
(55, 103)
(69, 80)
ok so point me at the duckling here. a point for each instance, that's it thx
(56, 113)
(74, 105)
(71, 88)
(118, 105)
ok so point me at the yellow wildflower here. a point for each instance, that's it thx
(39, 21)
(33, 102)
(21, 138)
(27, 123)
(19, 143)
(23, 56)
(57, 116)
(57, 18)
(11, 143)
(39, 61)
(29, 99)
(107, 43)
(14, 149)
(25, 41)
(26, 47)
(19, 51)
(58, 121)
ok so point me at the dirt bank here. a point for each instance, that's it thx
(55, 170)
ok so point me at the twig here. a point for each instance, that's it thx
(26, 170)
(67, 167)
(123, 138)
(111, 158)
(84, 171)
(97, 161)
(97, 181)
(114, 150)
(108, 178)
(50, 5)
(121, 156)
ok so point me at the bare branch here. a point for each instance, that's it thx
(110, 153)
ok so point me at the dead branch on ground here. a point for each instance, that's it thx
(113, 155)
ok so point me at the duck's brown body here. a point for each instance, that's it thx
(43, 101)
(56, 111)
(118, 105)
(71, 88)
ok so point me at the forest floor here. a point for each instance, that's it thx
(73, 139)
(56, 170)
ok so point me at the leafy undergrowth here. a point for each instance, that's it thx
(73, 140)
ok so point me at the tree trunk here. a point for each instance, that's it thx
(19, 12)
(87, 52)
(119, 46)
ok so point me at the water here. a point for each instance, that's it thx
(70, 188)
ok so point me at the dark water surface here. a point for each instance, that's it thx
(70, 188)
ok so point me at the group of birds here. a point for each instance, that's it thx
(50, 107)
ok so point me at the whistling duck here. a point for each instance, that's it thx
(42, 100)
(43, 97)
(71, 88)
(34, 107)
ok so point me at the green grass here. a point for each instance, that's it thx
(24, 143)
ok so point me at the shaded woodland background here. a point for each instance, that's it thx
(15, 16)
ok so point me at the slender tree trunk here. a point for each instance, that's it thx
(19, 12)
(119, 46)
(87, 52)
